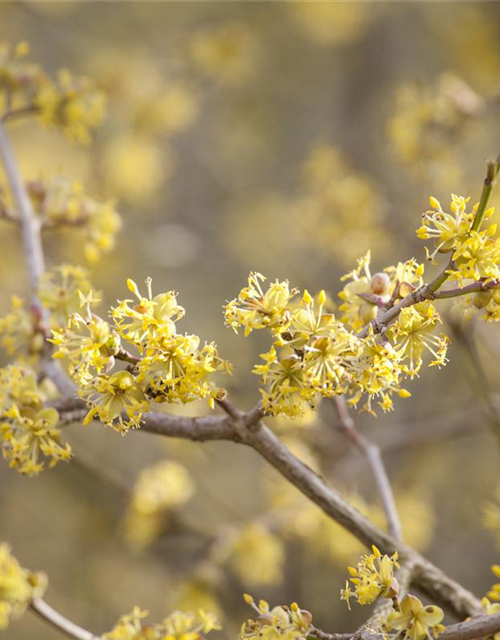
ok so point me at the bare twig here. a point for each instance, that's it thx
(492, 169)
(14, 114)
(30, 225)
(62, 624)
(374, 458)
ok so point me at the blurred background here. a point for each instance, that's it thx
(287, 138)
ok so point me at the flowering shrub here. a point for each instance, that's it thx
(71, 365)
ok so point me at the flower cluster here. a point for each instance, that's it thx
(28, 431)
(160, 489)
(426, 119)
(18, 586)
(372, 578)
(59, 293)
(315, 355)
(226, 54)
(491, 516)
(18, 334)
(493, 594)
(257, 556)
(412, 620)
(339, 200)
(71, 104)
(60, 202)
(474, 253)
(365, 293)
(177, 626)
(171, 367)
(288, 622)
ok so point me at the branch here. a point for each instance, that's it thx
(431, 580)
(470, 288)
(30, 225)
(430, 291)
(374, 458)
(477, 627)
(18, 113)
(492, 169)
(62, 624)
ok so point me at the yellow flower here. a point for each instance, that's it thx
(256, 309)
(151, 316)
(413, 333)
(415, 620)
(59, 201)
(372, 578)
(60, 290)
(89, 343)
(257, 556)
(117, 400)
(19, 80)
(72, 104)
(288, 387)
(160, 489)
(18, 586)
(177, 626)
(227, 54)
(287, 622)
(17, 330)
(28, 431)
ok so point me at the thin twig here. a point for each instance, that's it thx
(62, 624)
(30, 225)
(374, 458)
(492, 169)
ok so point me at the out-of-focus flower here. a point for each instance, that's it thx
(60, 290)
(227, 53)
(160, 489)
(491, 516)
(257, 556)
(71, 104)
(18, 586)
(17, 330)
(429, 119)
(177, 626)
(134, 167)
(28, 431)
(61, 202)
(332, 23)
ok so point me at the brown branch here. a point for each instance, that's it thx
(62, 624)
(472, 629)
(14, 114)
(477, 627)
(374, 458)
(431, 580)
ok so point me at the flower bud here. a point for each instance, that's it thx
(380, 283)
(481, 299)
(306, 616)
